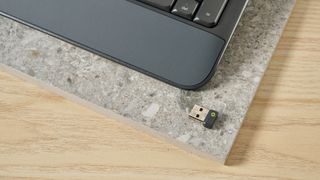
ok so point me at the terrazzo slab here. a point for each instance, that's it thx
(147, 101)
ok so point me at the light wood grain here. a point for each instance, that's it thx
(43, 135)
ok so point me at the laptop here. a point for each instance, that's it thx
(179, 42)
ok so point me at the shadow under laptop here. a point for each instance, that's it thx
(251, 37)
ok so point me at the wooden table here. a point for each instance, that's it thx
(44, 135)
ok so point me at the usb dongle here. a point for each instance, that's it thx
(208, 117)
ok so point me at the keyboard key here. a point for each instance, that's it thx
(185, 8)
(161, 4)
(210, 12)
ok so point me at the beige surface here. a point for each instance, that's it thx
(43, 135)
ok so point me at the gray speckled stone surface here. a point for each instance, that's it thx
(148, 101)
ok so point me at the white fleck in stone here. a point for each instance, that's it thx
(246, 74)
(256, 79)
(151, 111)
(187, 110)
(225, 141)
(184, 138)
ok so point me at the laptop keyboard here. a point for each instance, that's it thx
(204, 12)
